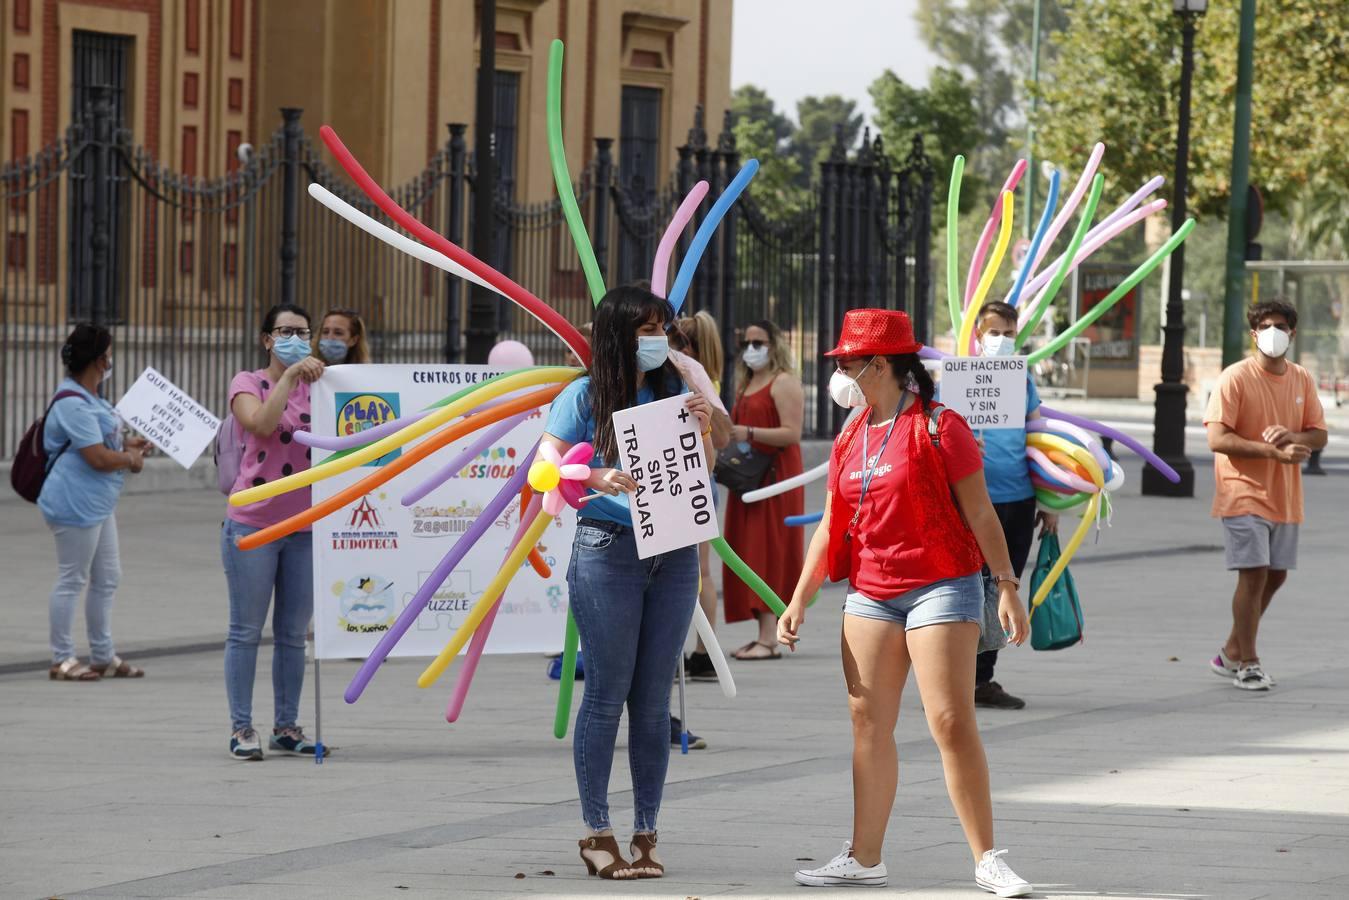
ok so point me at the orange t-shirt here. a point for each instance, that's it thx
(1248, 400)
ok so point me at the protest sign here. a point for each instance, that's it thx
(170, 419)
(989, 391)
(660, 445)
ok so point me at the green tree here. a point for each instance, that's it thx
(989, 43)
(750, 101)
(1116, 76)
(942, 113)
(819, 118)
(763, 133)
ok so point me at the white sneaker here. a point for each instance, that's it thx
(1253, 678)
(845, 871)
(1223, 665)
(995, 876)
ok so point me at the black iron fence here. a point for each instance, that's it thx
(182, 269)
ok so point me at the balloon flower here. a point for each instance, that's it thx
(559, 478)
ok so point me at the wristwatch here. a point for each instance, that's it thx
(999, 579)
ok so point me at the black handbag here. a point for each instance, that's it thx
(741, 468)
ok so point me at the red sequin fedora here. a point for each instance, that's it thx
(875, 332)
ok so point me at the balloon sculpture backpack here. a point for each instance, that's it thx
(1057, 622)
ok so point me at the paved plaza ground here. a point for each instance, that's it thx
(1132, 773)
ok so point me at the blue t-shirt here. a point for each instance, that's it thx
(75, 493)
(1006, 470)
(570, 420)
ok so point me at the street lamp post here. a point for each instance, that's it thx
(1168, 437)
(482, 305)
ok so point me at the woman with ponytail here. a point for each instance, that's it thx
(908, 524)
(87, 461)
(632, 614)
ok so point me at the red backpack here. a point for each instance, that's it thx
(31, 466)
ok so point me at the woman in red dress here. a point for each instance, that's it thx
(769, 407)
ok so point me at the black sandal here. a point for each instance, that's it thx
(772, 652)
(604, 843)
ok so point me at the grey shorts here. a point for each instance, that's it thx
(952, 600)
(1254, 542)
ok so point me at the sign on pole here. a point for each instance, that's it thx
(169, 419)
(660, 445)
(989, 391)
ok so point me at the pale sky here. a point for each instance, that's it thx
(796, 48)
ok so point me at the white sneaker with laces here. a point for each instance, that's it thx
(995, 876)
(1253, 678)
(843, 871)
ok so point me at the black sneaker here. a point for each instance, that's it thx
(677, 732)
(698, 667)
(990, 695)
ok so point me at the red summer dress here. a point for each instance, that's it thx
(756, 531)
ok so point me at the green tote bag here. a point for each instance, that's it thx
(1056, 623)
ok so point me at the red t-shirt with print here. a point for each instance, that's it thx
(891, 559)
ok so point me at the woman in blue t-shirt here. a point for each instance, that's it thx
(86, 458)
(632, 614)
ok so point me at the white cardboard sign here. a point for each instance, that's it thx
(169, 418)
(661, 447)
(989, 391)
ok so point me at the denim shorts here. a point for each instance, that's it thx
(952, 600)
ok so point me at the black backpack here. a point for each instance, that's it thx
(31, 465)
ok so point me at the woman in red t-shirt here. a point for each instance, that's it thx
(909, 525)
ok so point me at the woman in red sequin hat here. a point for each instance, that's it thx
(908, 524)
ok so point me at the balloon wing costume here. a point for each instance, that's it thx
(544, 482)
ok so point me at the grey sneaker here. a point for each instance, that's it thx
(996, 877)
(244, 744)
(292, 740)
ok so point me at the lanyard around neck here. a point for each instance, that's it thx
(869, 471)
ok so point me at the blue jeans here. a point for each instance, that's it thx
(632, 615)
(285, 566)
(85, 557)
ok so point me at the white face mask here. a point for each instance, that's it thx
(107, 373)
(755, 357)
(998, 344)
(845, 390)
(1273, 342)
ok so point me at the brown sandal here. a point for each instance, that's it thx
(72, 670)
(604, 843)
(643, 849)
(118, 668)
(771, 654)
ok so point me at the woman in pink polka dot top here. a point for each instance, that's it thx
(270, 404)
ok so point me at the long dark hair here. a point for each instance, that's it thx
(85, 344)
(908, 366)
(613, 360)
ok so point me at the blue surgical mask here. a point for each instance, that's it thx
(333, 350)
(652, 351)
(998, 345)
(291, 350)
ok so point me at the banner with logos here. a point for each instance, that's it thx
(371, 556)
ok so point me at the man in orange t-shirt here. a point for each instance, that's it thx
(1263, 419)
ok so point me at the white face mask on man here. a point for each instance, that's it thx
(998, 344)
(1273, 342)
